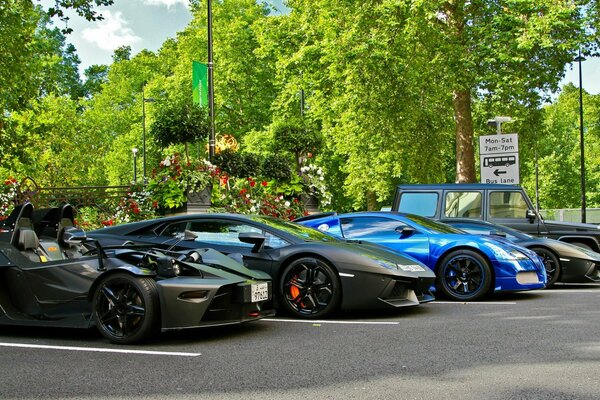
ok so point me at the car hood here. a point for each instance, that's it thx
(563, 249)
(349, 251)
(572, 226)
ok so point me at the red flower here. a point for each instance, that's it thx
(264, 183)
(243, 191)
(252, 183)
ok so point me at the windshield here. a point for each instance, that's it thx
(299, 231)
(434, 226)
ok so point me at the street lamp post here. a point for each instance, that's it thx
(211, 95)
(579, 59)
(497, 122)
(144, 101)
(134, 151)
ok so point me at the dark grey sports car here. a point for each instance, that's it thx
(313, 273)
(127, 293)
(564, 262)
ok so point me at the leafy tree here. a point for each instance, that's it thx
(509, 50)
(18, 21)
(96, 76)
(296, 137)
(121, 53)
(180, 123)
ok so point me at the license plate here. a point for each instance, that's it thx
(259, 292)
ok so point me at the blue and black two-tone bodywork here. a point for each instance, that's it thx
(467, 266)
(62, 279)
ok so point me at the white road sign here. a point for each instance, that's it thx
(499, 158)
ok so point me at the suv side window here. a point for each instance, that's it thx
(507, 205)
(463, 205)
(424, 204)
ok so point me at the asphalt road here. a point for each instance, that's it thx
(534, 345)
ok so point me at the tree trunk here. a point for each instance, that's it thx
(371, 201)
(465, 153)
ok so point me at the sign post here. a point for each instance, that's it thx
(499, 158)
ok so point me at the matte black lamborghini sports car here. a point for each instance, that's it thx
(313, 273)
(50, 277)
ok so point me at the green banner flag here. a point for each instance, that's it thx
(200, 83)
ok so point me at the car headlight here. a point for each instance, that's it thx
(403, 267)
(411, 268)
(502, 253)
(517, 255)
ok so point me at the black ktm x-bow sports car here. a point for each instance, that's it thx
(50, 277)
(313, 273)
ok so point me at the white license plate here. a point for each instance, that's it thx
(260, 291)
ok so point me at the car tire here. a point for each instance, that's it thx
(464, 275)
(126, 308)
(551, 264)
(310, 288)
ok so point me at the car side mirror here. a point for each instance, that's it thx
(74, 236)
(530, 215)
(255, 238)
(405, 230)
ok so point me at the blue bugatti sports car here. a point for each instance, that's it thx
(467, 266)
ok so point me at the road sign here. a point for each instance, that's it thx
(499, 158)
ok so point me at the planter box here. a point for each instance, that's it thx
(199, 202)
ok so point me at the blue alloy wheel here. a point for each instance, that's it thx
(310, 288)
(464, 275)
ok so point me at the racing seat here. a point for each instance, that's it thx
(29, 245)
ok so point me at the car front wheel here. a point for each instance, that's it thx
(310, 288)
(126, 308)
(464, 275)
(551, 264)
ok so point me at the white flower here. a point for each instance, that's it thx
(247, 195)
(253, 209)
(287, 203)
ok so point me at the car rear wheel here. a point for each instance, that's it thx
(126, 308)
(551, 264)
(310, 288)
(464, 275)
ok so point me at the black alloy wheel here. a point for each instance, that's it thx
(126, 308)
(551, 264)
(464, 275)
(310, 288)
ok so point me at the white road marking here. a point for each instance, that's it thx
(572, 291)
(481, 303)
(99, 349)
(309, 321)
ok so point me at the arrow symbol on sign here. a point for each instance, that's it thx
(499, 172)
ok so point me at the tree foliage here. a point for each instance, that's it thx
(389, 91)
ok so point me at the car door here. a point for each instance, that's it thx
(510, 208)
(389, 232)
(223, 235)
(55, 290)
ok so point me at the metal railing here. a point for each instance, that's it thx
(103, 197)
(572, 215)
